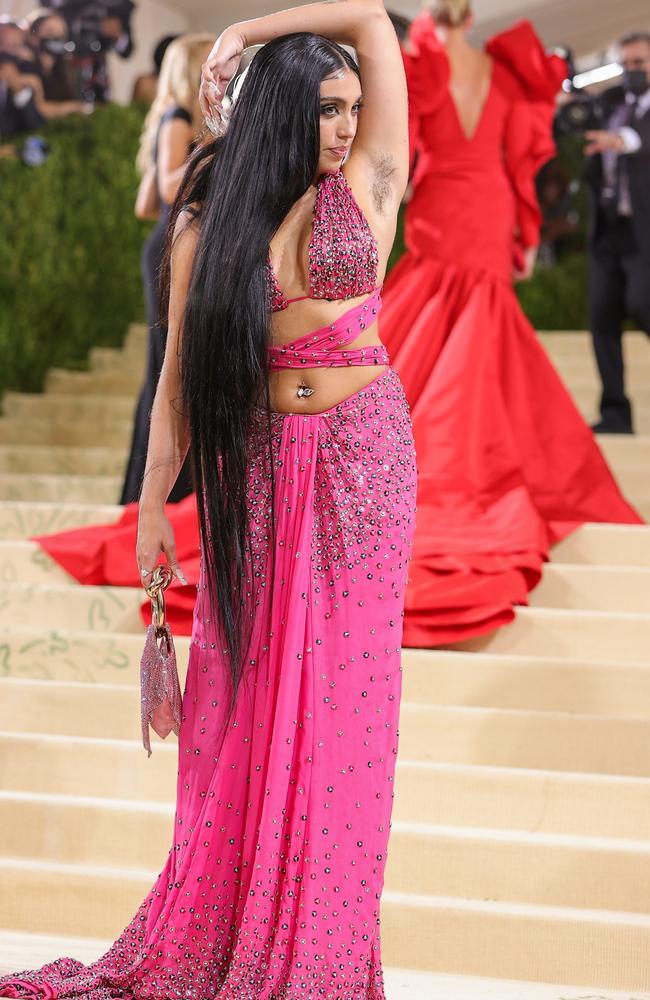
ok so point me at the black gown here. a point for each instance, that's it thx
(150, 263)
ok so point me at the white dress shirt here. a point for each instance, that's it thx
(629, 135)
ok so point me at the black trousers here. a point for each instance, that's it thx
(619, 289)
(150, 263)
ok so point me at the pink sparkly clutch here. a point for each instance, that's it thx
(160, 691)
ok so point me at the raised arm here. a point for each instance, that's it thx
(379, 158)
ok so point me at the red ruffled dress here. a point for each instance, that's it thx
(507, 466)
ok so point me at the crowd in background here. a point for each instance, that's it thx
(53, 64)
(53, 61)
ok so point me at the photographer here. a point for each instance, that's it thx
(18, 109)
(96, 28)
(618, 174)
(23, 104)
(49, 38)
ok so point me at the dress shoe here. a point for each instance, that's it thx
(604, 428)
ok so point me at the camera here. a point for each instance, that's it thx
(96, 27)
(584, 113)
(86, 19)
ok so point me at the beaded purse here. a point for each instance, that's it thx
(160, 692)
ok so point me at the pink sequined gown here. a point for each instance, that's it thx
(272, 885)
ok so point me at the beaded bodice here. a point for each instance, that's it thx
(342, 256)
(326, 347)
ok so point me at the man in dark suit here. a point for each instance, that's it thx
(618, 174)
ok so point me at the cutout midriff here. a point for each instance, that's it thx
(331, 385)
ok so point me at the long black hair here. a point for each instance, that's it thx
(242, 187)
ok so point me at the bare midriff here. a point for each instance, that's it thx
(330, 385)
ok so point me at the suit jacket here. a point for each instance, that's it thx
(638, 167)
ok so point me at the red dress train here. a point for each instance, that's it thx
(506, 464)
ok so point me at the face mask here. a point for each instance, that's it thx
(635, 81)
(54, 46)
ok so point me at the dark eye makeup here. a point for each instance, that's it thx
(329, 109)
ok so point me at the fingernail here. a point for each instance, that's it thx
(180, 576)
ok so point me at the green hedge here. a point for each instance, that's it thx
(556, 297)
(69, 247)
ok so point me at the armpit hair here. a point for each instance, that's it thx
(383, 168)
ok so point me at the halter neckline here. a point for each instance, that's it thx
(342, 255)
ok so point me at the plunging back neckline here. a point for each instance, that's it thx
(469, 137)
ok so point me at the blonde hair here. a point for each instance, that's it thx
(178, 86)
(450, 13)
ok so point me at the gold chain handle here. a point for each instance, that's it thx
(162, 577)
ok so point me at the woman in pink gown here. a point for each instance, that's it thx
(303, 451)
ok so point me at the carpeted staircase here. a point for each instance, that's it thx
(521, 839)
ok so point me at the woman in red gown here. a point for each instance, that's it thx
(507, 465)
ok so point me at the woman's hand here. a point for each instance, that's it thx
(218, 70)
(529, 260)
(155, 535)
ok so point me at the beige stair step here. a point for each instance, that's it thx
(37, 653)
(430, 676)
(60, 488)
(66, 408)
(597, 588)
(550, 869)
(551, 741)
(22, 950)
(577, 343)
(59, 381)
(526, 682)
(582, 363)
(81, 899)
(86, 831)
(440, 986)
(507, 866)
(591, 948)
(56, 431)
(607, 544)
(495, 737)
(437, 794)
(60, 460)
(444, 793)
(585, 379)
(543, 943)
(60, 765)
(24, 561)
(71, 709)
(24, 519)
(512, 798)
(111, 359)
(627, 449)
(579, 635)
(634, 483)
(571, 634)
(55, 605)
(137, 335)
(437, 677)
